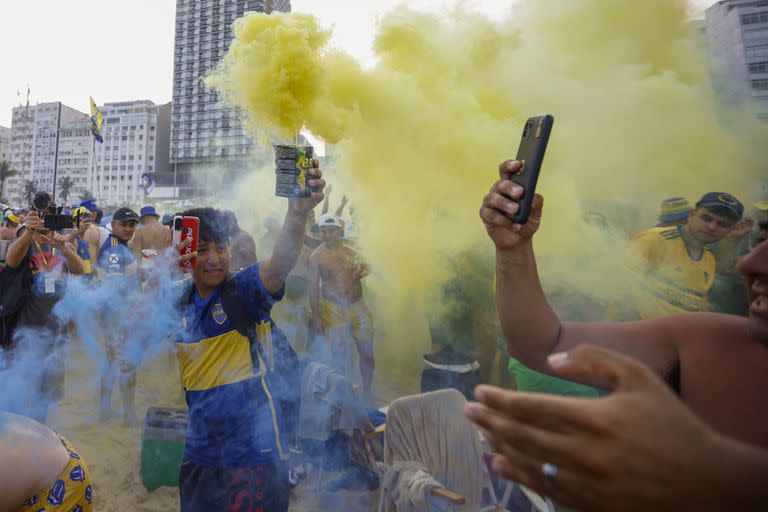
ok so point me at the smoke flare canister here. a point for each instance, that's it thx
(292, 165)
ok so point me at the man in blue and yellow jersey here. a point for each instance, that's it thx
(235, 451)
(119, 271)
(676, 262)
(85, 241)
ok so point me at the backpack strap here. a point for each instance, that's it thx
(234, 307)
(236, 312)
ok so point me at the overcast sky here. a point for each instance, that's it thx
(117, 51)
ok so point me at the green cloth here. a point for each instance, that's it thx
(535, 382)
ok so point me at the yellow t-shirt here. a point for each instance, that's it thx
(674, 281)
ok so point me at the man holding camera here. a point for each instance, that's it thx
(49, 258)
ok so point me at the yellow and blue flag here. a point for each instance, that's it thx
(96, 121)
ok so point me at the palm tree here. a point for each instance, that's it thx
(5, 173)
(85, 195)
(30, 189)
(65, 188)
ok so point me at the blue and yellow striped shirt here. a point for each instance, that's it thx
(233, 419)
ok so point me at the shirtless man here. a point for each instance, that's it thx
(10, 226)
(151, 235)
(718, 364)
(44, 471)
(242, 247)
(344, 312)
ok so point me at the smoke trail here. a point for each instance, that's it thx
(421, 134)
(139, 321)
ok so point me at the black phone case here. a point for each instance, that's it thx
(533, 145)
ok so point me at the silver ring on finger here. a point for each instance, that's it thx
(550, 472)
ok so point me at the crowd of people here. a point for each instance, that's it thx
(626, 415)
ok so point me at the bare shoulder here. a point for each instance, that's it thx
(690, 327)
(319, 254)
(38, 457)
(92, 235)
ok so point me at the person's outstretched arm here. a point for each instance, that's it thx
(531, 328)
(639, 448)
(285, 253)
(340, 209)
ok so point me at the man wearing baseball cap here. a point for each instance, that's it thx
(117, 265)
(85, 241)
(10, 226)
(676, 262)
(339, 270)
(95, 232)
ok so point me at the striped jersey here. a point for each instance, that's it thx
(234, 421)
(674, 280)
(85, 254)
(115, 256)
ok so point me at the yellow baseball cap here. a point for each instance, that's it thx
(13, 218)
(81, 212)
(762, 205)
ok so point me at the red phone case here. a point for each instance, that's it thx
(190, 228)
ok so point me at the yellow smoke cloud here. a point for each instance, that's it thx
(421, 134)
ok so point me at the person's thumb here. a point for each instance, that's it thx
(606, 368)
(537, 206)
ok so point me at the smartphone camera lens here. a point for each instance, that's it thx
(527, 129)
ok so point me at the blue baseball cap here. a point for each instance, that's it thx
(125, 214)
(722, 200)
(90, 204)
(167, 219)
(148, 210)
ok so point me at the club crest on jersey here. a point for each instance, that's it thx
(218, 314)
(56, 494)
(77, 474)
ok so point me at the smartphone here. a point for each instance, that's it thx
(533, 145)
(183, 228)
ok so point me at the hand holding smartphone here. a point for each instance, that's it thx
(186, 228)
(533, 145)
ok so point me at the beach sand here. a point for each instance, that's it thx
(113, 451)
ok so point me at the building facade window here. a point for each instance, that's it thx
(751, 19)
(758, 67)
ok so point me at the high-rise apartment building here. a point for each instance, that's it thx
(203, 131)
(136, 137)
(737, 33)
(34, 141)
(74, 162)
(53, 136)
(5, 144)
